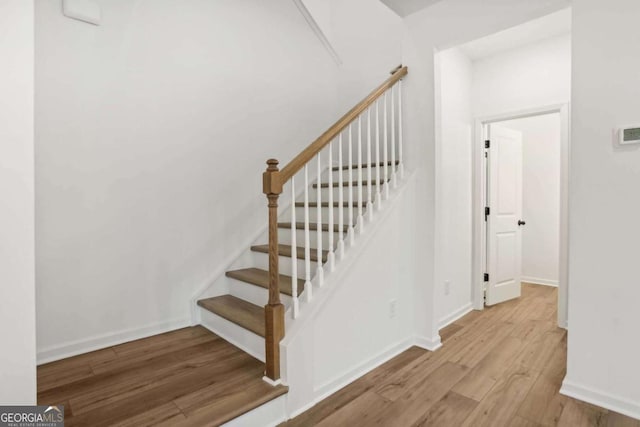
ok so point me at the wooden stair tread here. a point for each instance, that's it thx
(259, 277)
(326, 204)
(347, 184)
(256, 393)
(314, 226)
(285, 250)
(238, 311)
(337, 168)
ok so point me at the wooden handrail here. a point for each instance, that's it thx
(316, 146)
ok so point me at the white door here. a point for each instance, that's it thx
(504, 235)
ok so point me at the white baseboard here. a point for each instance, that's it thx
(539, 281)
(431, 344)
(330, 387)
(449, 319)
(74, 348)
(602, 399)
(336, 384)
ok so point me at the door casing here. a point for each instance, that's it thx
(478, 224)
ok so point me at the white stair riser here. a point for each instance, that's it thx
(313, 215)
(365, 176)
(236, 335)
(254, 294)
(262, 261)
(284, 237)
(345, 195)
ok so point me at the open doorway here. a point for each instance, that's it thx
(508, 83)
(521, 176)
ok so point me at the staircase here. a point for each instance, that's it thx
(251, 316)
(345, 176)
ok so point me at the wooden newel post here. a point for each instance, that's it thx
(274, 310)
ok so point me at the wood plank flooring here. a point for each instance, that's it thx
(188, 377)
(499, 367)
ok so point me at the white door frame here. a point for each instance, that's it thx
(478, 223)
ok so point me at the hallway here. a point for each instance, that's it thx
(500, 367)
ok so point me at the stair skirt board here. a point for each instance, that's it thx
(242, 338)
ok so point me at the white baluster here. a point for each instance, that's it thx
(360, 194)
(319, 270)
(401, 163)
(340, 202)
(393, 138)
(331, 257)
(385, 150)
(308, 288)
(378, 165)
(351, 231)
(369, 166)
(294, 255)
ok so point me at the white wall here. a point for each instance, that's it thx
(321, 11)
(604, 349)
(17, 267)
(540, 197)
(348, 329)
(532, 76)
(453, 186)
(368, 38)
(152, 132)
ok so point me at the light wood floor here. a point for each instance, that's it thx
(499, 367)
(188, 377)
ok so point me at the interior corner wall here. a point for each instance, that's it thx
(17, 265)
(541, 138)
(453, 186)
(603, 347)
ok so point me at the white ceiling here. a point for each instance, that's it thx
(407, 7)
(556, 24)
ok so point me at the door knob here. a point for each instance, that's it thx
(521, 222)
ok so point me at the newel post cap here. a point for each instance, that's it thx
(271, 178)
